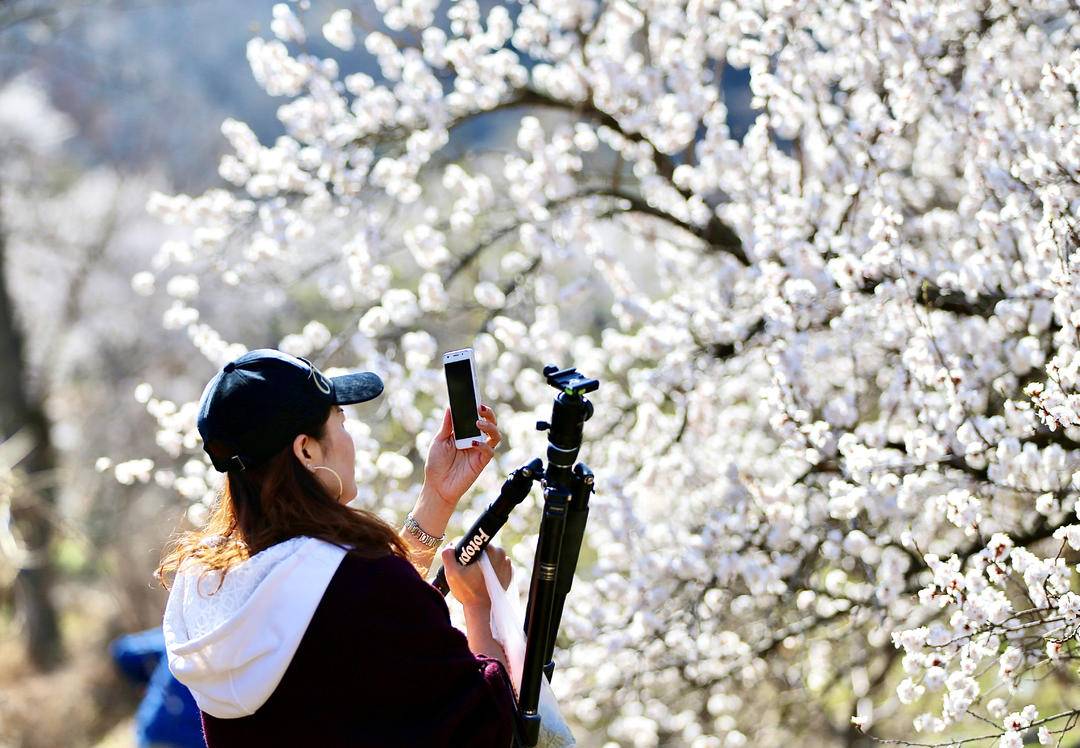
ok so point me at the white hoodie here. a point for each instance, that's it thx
(232, 647)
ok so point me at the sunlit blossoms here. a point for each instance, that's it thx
(836, 437)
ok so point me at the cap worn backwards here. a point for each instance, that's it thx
(257, 403)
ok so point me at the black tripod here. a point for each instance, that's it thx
(567, 488)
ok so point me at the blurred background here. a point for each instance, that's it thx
(101, 104)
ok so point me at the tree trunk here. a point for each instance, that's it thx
(31, 511)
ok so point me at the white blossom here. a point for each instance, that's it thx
(143, 283)
(286, 26)
(338, 30)
(130, 471)
(839, 374)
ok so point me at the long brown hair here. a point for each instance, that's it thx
(277, 500)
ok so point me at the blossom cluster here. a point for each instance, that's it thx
(840, 402)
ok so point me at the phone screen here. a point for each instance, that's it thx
(459, 383)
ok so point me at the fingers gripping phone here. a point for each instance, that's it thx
(460, 368)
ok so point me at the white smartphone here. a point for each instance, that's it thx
(460, 368)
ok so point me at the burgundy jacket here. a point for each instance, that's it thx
(379, 666)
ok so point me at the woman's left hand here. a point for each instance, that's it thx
(449, 471)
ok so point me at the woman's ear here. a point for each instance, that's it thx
(306, 449)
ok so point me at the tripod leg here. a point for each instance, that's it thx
(577, 515)
(541, 597)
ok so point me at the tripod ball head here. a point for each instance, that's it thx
(569, 380)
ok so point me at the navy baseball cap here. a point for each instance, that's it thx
(257, 404)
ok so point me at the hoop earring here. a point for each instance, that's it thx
(341, 486)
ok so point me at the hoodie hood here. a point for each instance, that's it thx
(231, 646)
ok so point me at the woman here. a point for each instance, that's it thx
(297, 620)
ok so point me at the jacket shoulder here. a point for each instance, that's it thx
(389, 584)
(380, 571)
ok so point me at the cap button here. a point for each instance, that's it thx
(230, 366)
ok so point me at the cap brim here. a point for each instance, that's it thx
(355, 388)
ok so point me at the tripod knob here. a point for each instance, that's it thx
(542, 425)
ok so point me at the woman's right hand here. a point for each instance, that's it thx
(467, 582)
